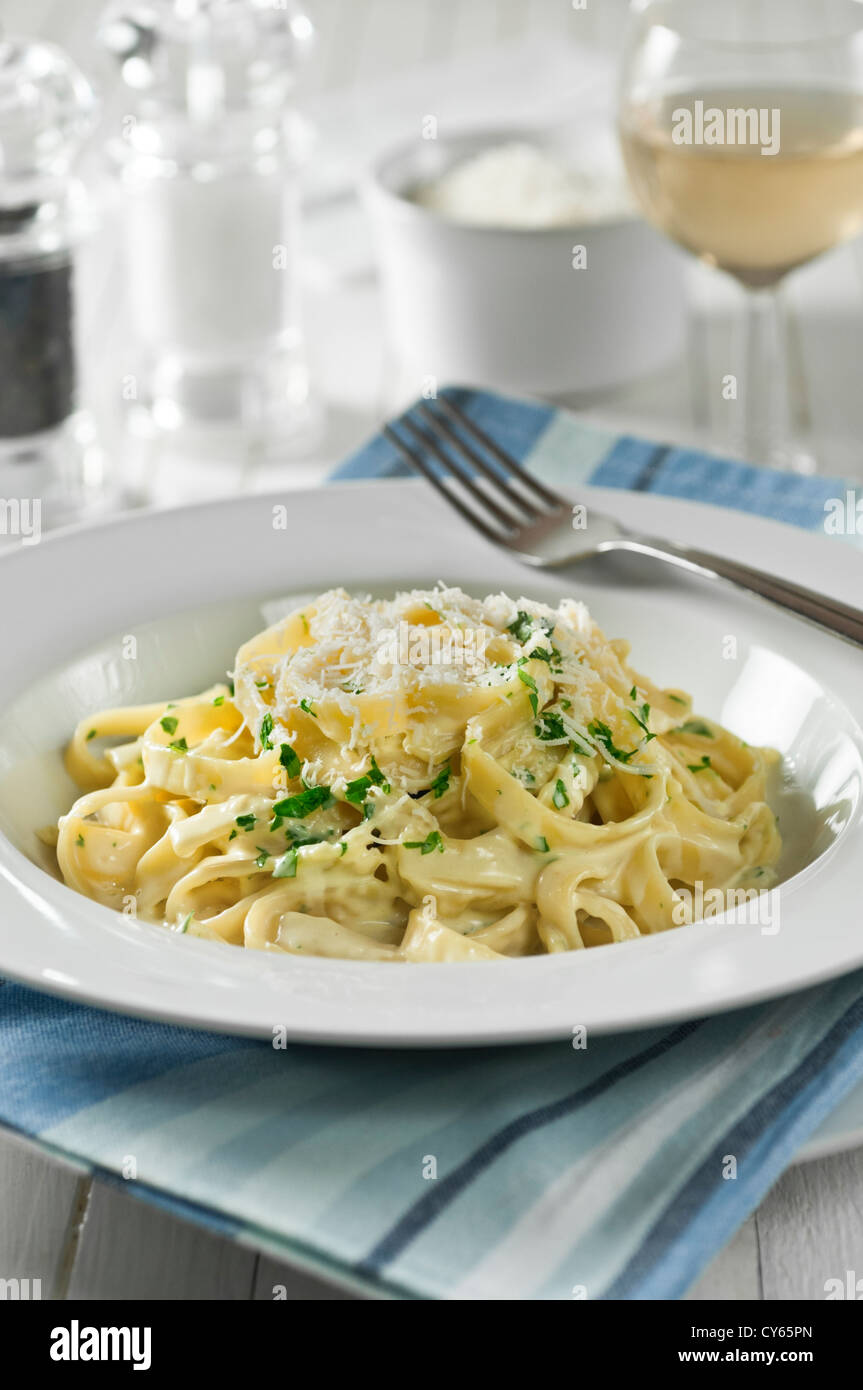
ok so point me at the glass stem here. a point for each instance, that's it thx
(767, 423)
(765, 415)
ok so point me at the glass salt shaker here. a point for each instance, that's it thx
(208, 157)
(50, 462)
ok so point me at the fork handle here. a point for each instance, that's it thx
(836, 617)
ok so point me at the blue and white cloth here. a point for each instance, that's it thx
(547, 1171)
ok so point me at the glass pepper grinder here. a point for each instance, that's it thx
(208, 157)
(50, 463)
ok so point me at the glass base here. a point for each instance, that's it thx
(51, 479)
(219, 433)
(262, 402)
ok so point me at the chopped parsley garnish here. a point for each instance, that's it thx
(91, 734)
(605, 739)
(524, 625)
(441, 782)
(699, 767)
(439, 785)
(431, 842)
(261, 685)
(184, 925)
(542, 844)
(169, 723)
(566, 704)
(263, 856)
(289, 760)
(552, 658)
(266, 730)
(678, 700)
(247, 822)
(79, 840)
(306, 706)
(303, 803)
(528, 680)
(219, 700)
(355, 791)
(298, 835)
(641, 717)
(233, 835)
(179, 746)
(695, 726)
(560, 797)
(343, 849)
(377, 776)
(286, 866)
(550, 726)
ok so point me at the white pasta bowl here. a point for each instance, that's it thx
(155, 606)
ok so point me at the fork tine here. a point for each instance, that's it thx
(530, 510)
(504, 459)
(416, 460)
(456, 468)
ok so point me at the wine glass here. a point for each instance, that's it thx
(741, 124)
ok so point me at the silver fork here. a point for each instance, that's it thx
(514, 510)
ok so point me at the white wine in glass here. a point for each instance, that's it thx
(741, 125)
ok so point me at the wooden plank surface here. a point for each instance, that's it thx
(42, 1202)
(810, 1229)
(130, 1249)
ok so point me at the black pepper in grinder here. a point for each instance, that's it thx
(50, 465)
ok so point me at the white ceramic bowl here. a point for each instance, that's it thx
(504, 307)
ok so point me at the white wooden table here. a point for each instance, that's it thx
(83, 1238)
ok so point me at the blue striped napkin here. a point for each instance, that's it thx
(548, 1172)
(564, 451)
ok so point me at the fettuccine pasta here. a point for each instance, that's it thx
(430, 778)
